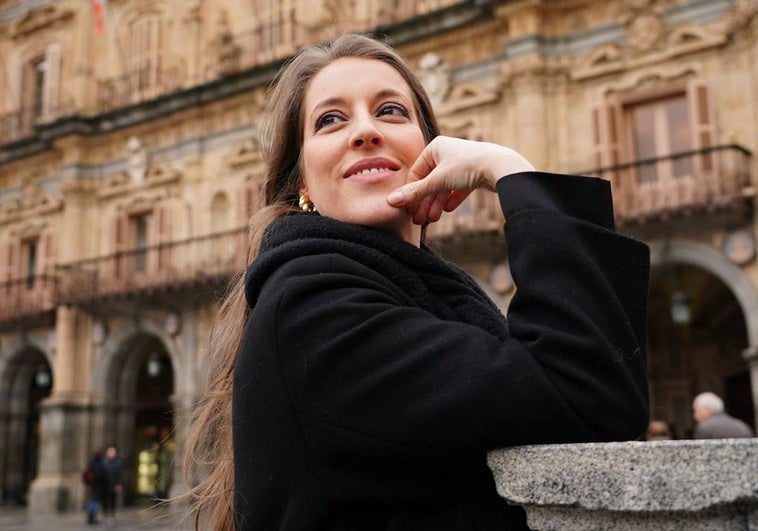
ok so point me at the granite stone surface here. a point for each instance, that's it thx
(701, 485)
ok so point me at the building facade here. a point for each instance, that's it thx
(130, 165)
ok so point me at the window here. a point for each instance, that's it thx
(138, 225)
(29, 248)
(660, 128)
(38, 90)
(40, 86)
(276, 25)
(145, 55)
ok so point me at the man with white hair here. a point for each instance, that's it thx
(713, 422)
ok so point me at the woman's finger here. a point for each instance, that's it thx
(455, 198)
(421, 215)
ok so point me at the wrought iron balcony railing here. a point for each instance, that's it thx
(282, 35)
(178, 264)
(707, 179)
(26, 298)
(141, 84)
(20, 124)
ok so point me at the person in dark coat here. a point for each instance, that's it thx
(713, 422)
(358, 379)
(94, 479)
(113, 479)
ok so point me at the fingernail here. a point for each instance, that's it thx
(396, 198)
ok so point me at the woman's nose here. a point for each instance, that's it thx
(365, 133)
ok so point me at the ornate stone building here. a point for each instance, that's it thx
(129, 166)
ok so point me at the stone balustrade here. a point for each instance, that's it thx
(663, 485)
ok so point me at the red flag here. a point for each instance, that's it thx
(98, 6)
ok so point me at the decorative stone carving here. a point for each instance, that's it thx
(739, 246)
(435, 76)
(742, 15)
(245, 152)
(648, 42)
(33, 202)
(162, 173)
(643, 23)
(142, 203)
(467, 95)
(119, 178)
(138, 159)
(37, 19)
(31, 194)
(644, 32)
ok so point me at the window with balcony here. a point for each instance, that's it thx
(657, 150)
(145, 57)
(40, 86)
(142, 243)
(275, 32)
(656, 129)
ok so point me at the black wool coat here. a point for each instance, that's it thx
(373, 376)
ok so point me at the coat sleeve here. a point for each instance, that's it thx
(359, 360)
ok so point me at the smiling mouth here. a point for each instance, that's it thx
(370, 171)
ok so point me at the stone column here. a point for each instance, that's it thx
(182, 406)
(63, 425)
(750, 355)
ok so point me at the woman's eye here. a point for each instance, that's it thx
(326, 120)
(393, 109)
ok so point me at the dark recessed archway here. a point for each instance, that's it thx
(25, 382)
(141, 420)
(697, 332)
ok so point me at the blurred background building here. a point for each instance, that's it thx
(130, 164)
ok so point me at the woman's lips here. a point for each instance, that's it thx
(371, 169)
(372, 175)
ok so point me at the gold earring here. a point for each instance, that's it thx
(305, 203)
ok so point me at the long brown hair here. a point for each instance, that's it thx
(209, 451)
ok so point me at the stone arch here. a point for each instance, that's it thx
(132, 408)
(713, 261)
(20, 395)
(114, 347)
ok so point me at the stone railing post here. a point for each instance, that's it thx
(663, 485)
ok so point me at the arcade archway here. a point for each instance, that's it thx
(138, 413)
(697, 332)
(25, 382)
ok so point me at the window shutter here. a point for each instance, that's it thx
(607, 132)
(118, 245)
(14, 259)
(9, 281)
(702, 124)
(46, 253)
(163, 233)
(52, 81)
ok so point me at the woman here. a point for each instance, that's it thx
(357, 379)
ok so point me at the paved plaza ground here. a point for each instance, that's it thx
(127, 519)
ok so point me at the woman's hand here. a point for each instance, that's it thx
(448, 170)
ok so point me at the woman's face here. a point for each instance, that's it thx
(361, 135)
